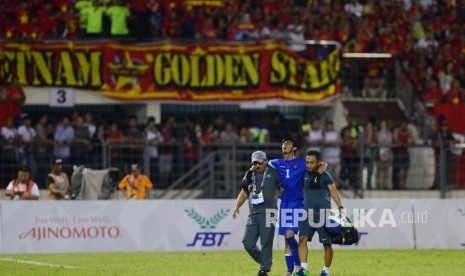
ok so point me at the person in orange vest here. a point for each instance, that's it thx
(57, 182)
(135, 185)
(22, 188)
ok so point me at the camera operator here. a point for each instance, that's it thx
(22, 188)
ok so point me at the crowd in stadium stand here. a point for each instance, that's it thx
(78, 139)
(427, 36)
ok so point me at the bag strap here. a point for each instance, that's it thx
(346, 219)
(347, 222)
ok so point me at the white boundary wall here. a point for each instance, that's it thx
(174, 225)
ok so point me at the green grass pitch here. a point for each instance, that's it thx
(346, 262)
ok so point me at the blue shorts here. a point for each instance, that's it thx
(289, 212)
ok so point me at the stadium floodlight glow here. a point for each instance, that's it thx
(367, 55)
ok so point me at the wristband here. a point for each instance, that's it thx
(341, 207)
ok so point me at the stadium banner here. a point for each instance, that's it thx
(198, 225)
(440, 223)
(165, 71)
(117, 225)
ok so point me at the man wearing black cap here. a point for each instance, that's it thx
(135, 184)
(261, 187)
(57, 182)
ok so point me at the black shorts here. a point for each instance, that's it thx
(307, 230)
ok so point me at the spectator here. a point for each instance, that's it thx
(428, 42)
(261, 31)
(46, 22)
(140, 18)
(258, 133)
(82, 6)
(349, 159)
(229, 135)
(172, 26)
(57, 182)
(210, 31)
(9, 139)
(351, 127)
(446, 77)
(166, 153)
(369, 152)
(280, 33)
(135, 185)
(207, 139)
(42, 149)
(154, 138)
(71, 28)
(402, 139)
(314, 137)
(119, 14)
(63, 137)
(277, 129)
(22, 188)
(191, 152)
(354, 8)
(14, 100)
(94, 15)
(296, 35)
(227, 18)
(331, 150)
(157, 16)
(115, 137)
(81, 146)
(432, 95)
(219, 124)
(384, 139)
(456, 94)
(191, 24)
(27, 137)
(89, 123)
(443, 138)
(133, 138)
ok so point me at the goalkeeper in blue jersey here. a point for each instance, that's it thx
(291, 169)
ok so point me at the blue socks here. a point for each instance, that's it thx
(289, 262)
(294, 250)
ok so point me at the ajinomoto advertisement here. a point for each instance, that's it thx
(174, 71)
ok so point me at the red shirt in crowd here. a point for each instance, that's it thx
(17, 97)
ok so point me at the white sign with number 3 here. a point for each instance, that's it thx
(63, 97)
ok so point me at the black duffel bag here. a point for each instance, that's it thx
(348, 234)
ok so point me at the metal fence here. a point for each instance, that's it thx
(216, 171)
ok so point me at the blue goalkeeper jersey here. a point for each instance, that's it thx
(291, 174)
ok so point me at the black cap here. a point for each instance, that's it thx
(56, 161)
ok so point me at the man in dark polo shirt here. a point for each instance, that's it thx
(261, 187)
(318, 191)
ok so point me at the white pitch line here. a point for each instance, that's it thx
(37, 263)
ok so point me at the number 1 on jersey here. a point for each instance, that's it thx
(287, 173)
